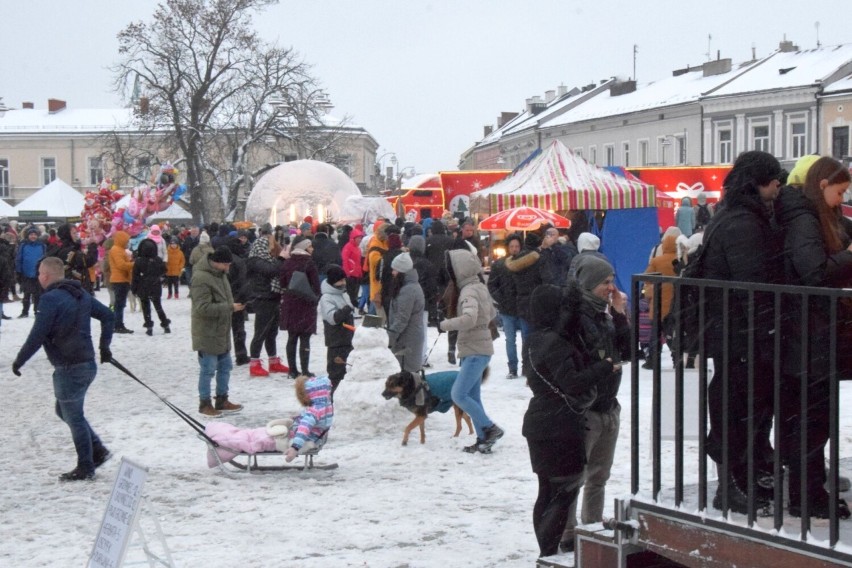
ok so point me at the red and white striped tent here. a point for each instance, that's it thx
(558, 180)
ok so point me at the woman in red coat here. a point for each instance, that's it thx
(299, 304)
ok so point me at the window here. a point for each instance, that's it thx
(680, 144)
(96, 171)
(725, 146)
(143, 168)
(4, 178)
(578, 152)
(593, 154)
(760, 137)
(609, 153)
(798, 132)
(48, 170)
(626, 146)
(643, 153)
(839, 143)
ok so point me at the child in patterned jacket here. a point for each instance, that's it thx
(307, 430)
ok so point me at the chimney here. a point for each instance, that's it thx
(55, 105)
(549, 95)
(786, 46)
(505, 117)
(27, 104)
(717, 67)
(487, 131)
(561, 91)
(143, 105)
(535, 105)
(622, 88)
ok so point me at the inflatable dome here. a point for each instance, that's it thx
(288, 192)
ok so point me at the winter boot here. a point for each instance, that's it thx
(226, 406)
(177, 294)
(170, 296)
(256, 369)
(100, 455)
(165, 325)
(206, 408)
(276, 366)
(241, 359)
(451, 357)
(493, 433)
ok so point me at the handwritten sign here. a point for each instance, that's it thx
(120, 516)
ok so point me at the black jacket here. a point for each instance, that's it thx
(428, 278)
(501, 286)
(148, 271)
(259, 275)
(745, 247)
(528, 272)
(325, 252)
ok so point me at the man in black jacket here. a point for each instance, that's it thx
(501, 286)
(742, 244)
(528, 272)
(326, 252)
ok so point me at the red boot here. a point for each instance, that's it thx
(275, 366)
(256, 369)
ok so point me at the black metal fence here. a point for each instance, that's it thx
(719, 303)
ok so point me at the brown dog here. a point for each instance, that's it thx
(403, 387)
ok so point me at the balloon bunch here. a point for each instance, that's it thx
(97, 212)
(146, 200)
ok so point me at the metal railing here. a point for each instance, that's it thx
(717, 301)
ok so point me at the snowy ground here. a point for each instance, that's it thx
(385, 506)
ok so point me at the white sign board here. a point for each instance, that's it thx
(120, 517)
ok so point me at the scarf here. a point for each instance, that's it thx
(260, 249)
(597, 304)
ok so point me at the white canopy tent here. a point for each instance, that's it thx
(7, 210)
(56, 200)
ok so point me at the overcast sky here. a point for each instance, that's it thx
(424, 77)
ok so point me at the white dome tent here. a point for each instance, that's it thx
(290, 191)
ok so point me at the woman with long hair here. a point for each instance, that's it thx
(817, 252)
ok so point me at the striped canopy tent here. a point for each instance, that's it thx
(558, 180)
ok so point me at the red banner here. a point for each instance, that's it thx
(459, 185)
(676, 182)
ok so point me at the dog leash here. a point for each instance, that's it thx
(426, 360)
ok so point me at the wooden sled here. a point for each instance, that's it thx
(244, 462)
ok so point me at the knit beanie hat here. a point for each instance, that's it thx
(592, 270)
(222, 254)
(204, 238)
(402, 262)
(302, 244)
(334, 274)
(394, 241)
(266, 229)
(588, 241)
(417, 244)
(800, 170)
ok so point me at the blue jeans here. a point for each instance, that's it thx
(70, 383)
(365, 296)
(511, 326)
(466, 390)
(121, 289)
(219, 365)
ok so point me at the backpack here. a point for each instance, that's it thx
(702, 215)
(365, 263)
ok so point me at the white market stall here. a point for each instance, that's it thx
(57, 201)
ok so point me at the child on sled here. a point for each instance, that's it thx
(307, 430)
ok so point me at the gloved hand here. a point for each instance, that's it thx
(106, 355)
(16, 368)
(342, 314)
(291, 454)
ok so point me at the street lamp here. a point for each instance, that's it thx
(385, 176)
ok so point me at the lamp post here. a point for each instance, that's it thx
(385, 176)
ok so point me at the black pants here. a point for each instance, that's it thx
(304, 342)
(559, 467)
(793, 423)
(738, 411)
(353, 285)
(265, 328)
(238, 329)
(173, 283)
(335, 364)
(146, 311)
(120, 289)
(31, 290)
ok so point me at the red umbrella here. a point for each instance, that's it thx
(523, 219)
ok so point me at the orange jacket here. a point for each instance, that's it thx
(175, 260)
(120, 266)
(663, 265)
(373, 260)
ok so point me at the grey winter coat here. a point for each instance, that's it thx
(333, 306)
(406, 333)
(475, 309)
(212, 309)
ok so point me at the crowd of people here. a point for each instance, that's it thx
(553, 287)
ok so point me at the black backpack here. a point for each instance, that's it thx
(702, 215)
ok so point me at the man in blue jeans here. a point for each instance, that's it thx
(212, 308)
(501, 286)
(62, 327)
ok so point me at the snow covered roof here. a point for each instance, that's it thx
(173, 211)
(785, 70)
(7, 210)
(57, 198)
(842, 86)
(66, 120)
(498, 133)
(421, 180)
(686, 88)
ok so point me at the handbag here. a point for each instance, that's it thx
(299, 286)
